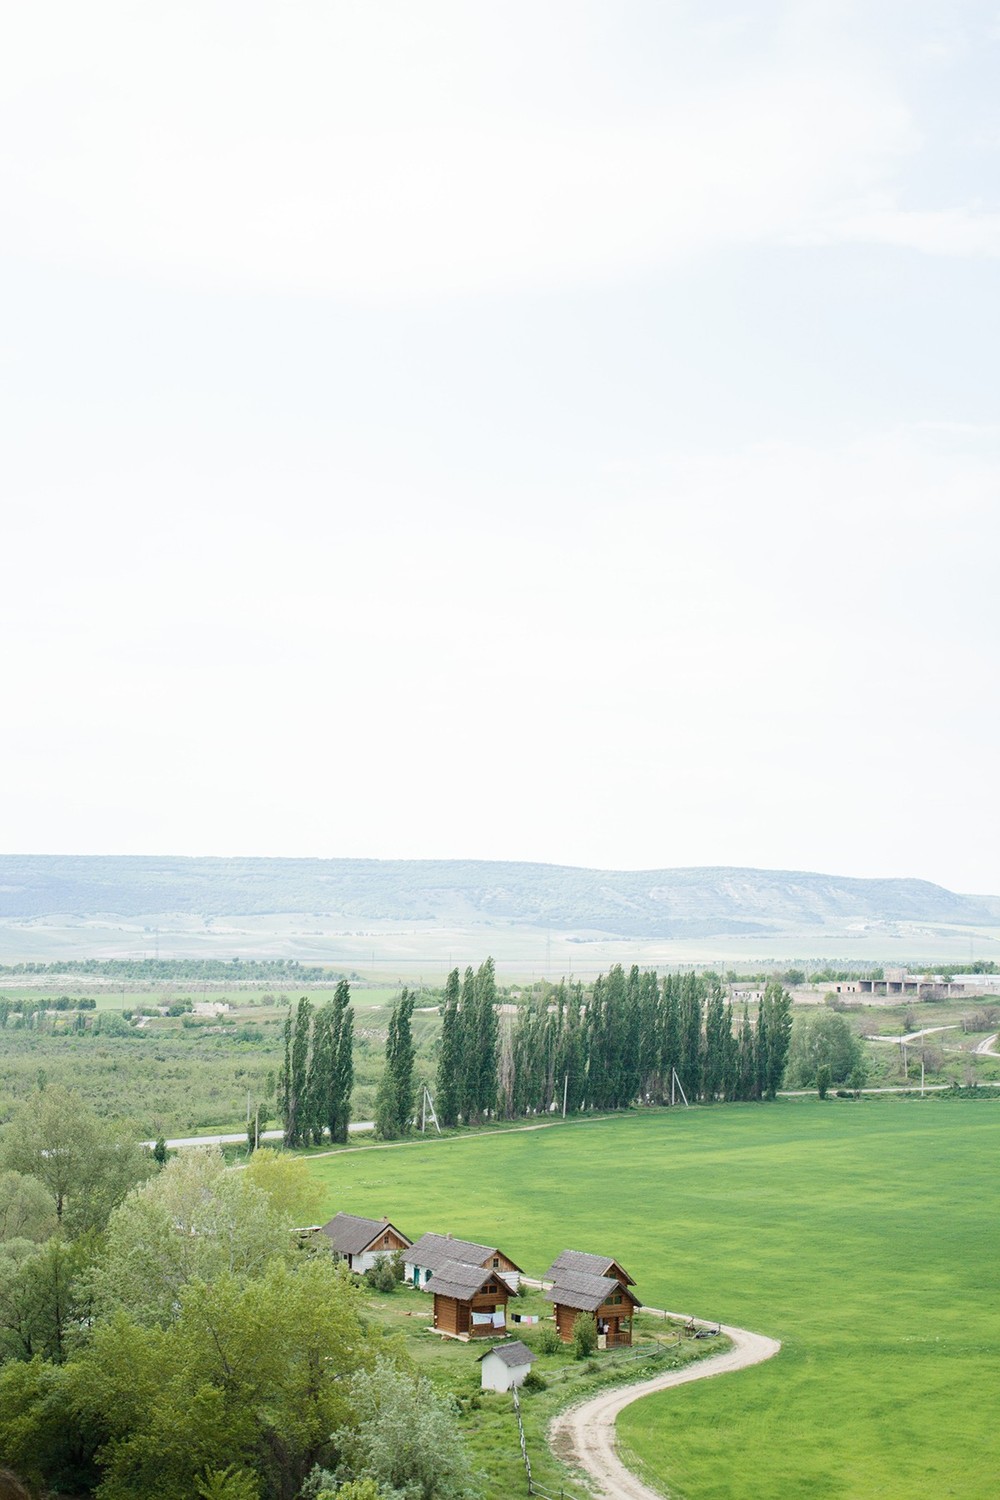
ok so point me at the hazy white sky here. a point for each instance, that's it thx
(563, 431)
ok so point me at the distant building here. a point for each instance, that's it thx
(432, 1251)
(361, 1241)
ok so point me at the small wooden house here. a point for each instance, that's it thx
(469, 1302)
(589, 1265)
(606, 1299)
(505, 1366)
(361, 1241)
(432, 1251)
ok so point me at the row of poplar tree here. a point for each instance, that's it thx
(634, 1038)
(317, 1073)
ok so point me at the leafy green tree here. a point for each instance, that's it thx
(405, 1437)
(487, 1038)
(584, 1337)
(250, 1374)
(394, 1101)
(194, 1221)
(822, 1038)
(26, 1209)
(82, 1162)
(160, 1152)
(45, 1301)
(294, 1074)
(229, 1483)
(823, 1080)
(450, 1055)
(774, 1031)
(41, 1435)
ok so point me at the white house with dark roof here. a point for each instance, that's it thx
(431, 1251)
(505, 1365)
(361, 1241)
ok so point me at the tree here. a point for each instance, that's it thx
(405, 1438)
(294, 1193)
(44, 1297)
(450, 1055)
(774, 1031)
(26, 1209)
(80, 1160)
(823, 1080)
(822, 1038)
(193, 1221)
(294, 1074)
(395, 1098)
(487, 1036)
(160, 1152)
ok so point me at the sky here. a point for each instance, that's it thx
(562, 431)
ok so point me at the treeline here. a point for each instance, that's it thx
(317, 1072)
(166, 1335)
(156, 970)
(633, 1038)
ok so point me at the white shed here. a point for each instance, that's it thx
(505, 1365)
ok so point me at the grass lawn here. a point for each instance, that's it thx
(862, 1234)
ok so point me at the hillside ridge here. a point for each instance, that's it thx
(688, 901)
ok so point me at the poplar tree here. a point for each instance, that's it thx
(450, 1055)
(293, 1081)
(468, 1067)
(487, 1038)
(338, 1117)
(394, 1101)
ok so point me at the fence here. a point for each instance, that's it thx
(565, 1370)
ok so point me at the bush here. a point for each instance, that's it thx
(823, 1080)
(548, 1341)
(534, 1382)
(381, 1277)
(584, 1337)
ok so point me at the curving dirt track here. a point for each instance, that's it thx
(585, 1435)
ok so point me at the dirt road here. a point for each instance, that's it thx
(585, 1435)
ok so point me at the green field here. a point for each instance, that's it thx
(862, 1234)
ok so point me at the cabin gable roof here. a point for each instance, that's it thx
(586, 1292)
(591, 1265)
(435, 1250)
(456, 1279)
(351, 1234)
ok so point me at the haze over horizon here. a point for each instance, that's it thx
(563, 433)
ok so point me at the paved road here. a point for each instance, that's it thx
(585, 1435)
(241, 1135)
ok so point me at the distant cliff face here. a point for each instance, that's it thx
(698, 902)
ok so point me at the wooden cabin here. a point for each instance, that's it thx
(361, 1241)
(606, 1299)
(580, 1261)
(469, 1302)
(432, 1251)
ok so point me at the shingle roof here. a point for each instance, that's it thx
(456, 1279)
(512, 1354)
(581, 1261)
(351, 1234)
(579, 1290)
(433, 1250)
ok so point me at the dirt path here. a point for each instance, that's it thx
(987, 1048)
(585, 1435)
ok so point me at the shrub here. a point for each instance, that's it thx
(584, 1337)
(548, 1341)
(381, 1276)
(534, 1382)
(823, 1080)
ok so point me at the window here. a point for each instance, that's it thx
(496, 1263)
(616, 1298)
(492, 1287)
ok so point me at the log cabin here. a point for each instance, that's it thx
(432, 1251)
(605, 1299)
(361, 1241)
(469, 1301)
(589, 1265)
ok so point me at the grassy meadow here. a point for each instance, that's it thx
(863, 1234)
